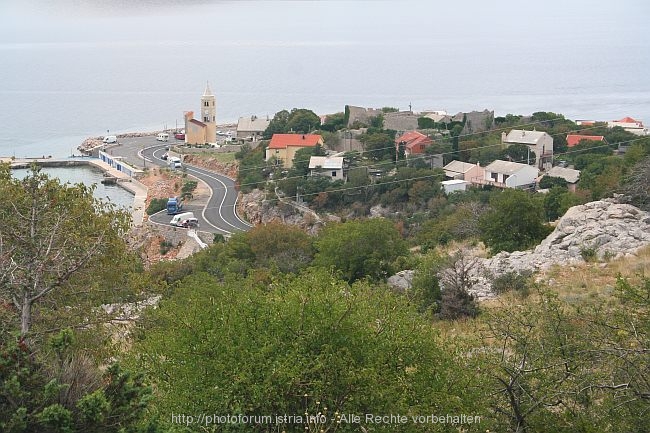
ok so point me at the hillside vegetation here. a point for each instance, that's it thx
(305, 330)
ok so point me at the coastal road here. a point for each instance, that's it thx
(219, 214)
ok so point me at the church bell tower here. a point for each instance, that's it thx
(209, 114)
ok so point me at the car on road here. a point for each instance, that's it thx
(190, 223)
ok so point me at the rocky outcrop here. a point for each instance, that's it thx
(211, 162)
(601, 229)
(401, 281)
(261, 210)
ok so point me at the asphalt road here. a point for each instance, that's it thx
(218, 216)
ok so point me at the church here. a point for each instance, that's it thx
(202, 131)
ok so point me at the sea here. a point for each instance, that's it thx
(71, 69)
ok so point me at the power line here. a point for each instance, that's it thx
(392, 146)
(427, 176)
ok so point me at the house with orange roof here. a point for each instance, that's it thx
(630, 125)
(414, 143)
(573, 139)
(283, 147)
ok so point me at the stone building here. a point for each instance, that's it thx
(205, 130)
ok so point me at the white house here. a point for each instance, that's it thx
(570, 175)
(251, 128)
(463, 171)
(331, 167)
(454, 185)
(539, 142)
(506, 174)
(630, 125)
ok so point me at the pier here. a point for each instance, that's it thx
(117, 177)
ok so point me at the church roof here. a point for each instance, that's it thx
(208, 91)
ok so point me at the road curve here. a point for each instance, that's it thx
(221, 210)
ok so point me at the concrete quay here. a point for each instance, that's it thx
(126, 182)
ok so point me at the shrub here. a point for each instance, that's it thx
(512, 281)
(588, 254)
(156, 205)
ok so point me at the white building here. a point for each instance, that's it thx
(506, 174)
(539, 142)
(454, 185)
(251, 128)
(630, 125)
(331, 167)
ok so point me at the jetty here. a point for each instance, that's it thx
(112, 176)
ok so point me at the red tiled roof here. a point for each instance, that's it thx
(413, 140)
(573, 139)
(281, 141)
(627, 120)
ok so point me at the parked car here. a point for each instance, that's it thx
(190, 223)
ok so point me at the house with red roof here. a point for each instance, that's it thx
(630, 125)
(283, 147)
(573, 139)
(414, 143)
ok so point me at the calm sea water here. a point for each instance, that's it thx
(74, 69)
(87, 176)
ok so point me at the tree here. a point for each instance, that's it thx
(636, 185)
(518, 153)
(307, 344)
(278, 245)
(52, 233)
(334, 122)
(302, 121)
(359, 249)
(557, 201)
(456, 278)
(302, 157)
(65, 392)
(277, 125)
(515, 221)
(379, 145)
(552, 181)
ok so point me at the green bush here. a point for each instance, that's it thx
(588, 254)
(188, 187)
(156, 205)
(512, 281)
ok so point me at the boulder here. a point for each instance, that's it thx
(607, 228)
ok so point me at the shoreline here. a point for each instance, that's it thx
(127, 183)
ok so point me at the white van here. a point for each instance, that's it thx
(163, 136)
(174, 162)
(109, 139)
(180, 218)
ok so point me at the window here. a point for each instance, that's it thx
(494, 176)
(333, 174)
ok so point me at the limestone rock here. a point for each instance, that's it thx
(606, 227)
(401, 281)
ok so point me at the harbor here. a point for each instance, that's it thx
(110, 176)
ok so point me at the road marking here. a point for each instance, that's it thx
(224, 231)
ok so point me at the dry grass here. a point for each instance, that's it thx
(590, 282)
(584, 284)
